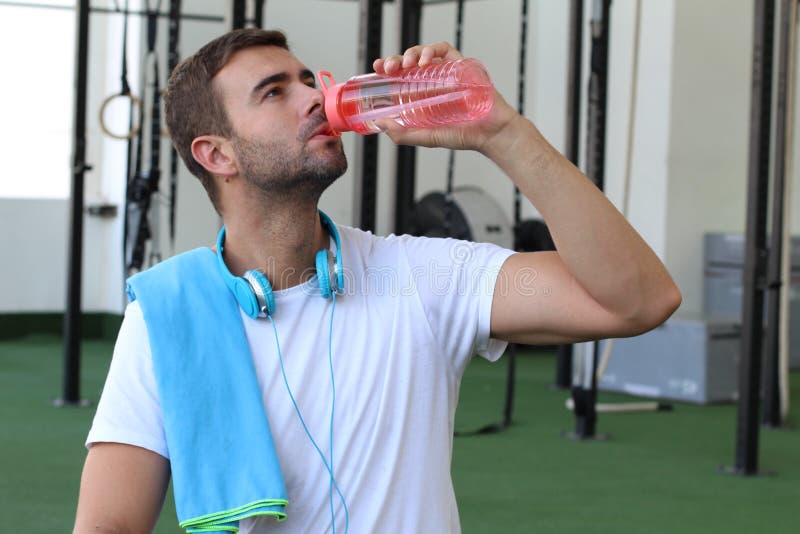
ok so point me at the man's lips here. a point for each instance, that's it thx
(324, 130)
(316, 126)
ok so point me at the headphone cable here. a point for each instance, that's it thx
(328, 466)
(333, 406)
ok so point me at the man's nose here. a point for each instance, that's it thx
(315, 102)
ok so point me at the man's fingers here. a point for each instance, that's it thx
(425, 54)
(392, 64)
(419, 55)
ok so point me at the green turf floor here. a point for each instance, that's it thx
(657, 473)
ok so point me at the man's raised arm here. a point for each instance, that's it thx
(603, 281)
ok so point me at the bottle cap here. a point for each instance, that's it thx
(331, 93)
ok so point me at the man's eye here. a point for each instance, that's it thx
(273, 92)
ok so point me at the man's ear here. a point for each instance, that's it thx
(214, 153)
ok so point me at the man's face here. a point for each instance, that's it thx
(281, 140)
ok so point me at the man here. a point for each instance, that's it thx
(247, 119)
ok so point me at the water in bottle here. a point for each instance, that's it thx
(419, 97)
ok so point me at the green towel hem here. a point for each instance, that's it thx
(216, 521)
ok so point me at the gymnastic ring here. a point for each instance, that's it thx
(135, 102)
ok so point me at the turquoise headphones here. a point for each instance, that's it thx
(253, 291)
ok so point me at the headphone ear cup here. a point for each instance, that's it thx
(246, 297)
(338, 272)
(261, 290)
(324, 274)
(337, 278)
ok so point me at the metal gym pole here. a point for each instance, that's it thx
(258, 17)
(71, 394)
(365, 192)
(247, 14)
(747, 427)
(410, 14)
(771, 414)
(238, 14)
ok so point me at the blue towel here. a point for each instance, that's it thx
(224, 465)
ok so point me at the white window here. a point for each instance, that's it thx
(37, 40)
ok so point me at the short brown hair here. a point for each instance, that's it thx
(193, 108)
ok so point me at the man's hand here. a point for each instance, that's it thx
(474, 135)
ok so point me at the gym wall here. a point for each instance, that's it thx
(688, 161)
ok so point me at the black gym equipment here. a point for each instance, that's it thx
(755, 241)
(142, 184)
(247, 14)
(145, 181)
(451, 156)
(777, 281)
(465, 213)
(72, 316)
(71, 395)
(757, 277)
(366, 146)
(410, 19)
(124, 92)
(173, 58)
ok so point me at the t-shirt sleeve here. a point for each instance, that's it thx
(455, 281)
(129, 410)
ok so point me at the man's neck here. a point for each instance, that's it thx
(282, 243)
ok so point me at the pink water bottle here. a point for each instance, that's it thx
(419, 97)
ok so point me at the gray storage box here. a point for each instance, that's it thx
(723, 288)
(685, 359)
(723, 248)
(726, 249)
(722, 293)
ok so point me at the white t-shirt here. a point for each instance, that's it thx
(415, 310)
